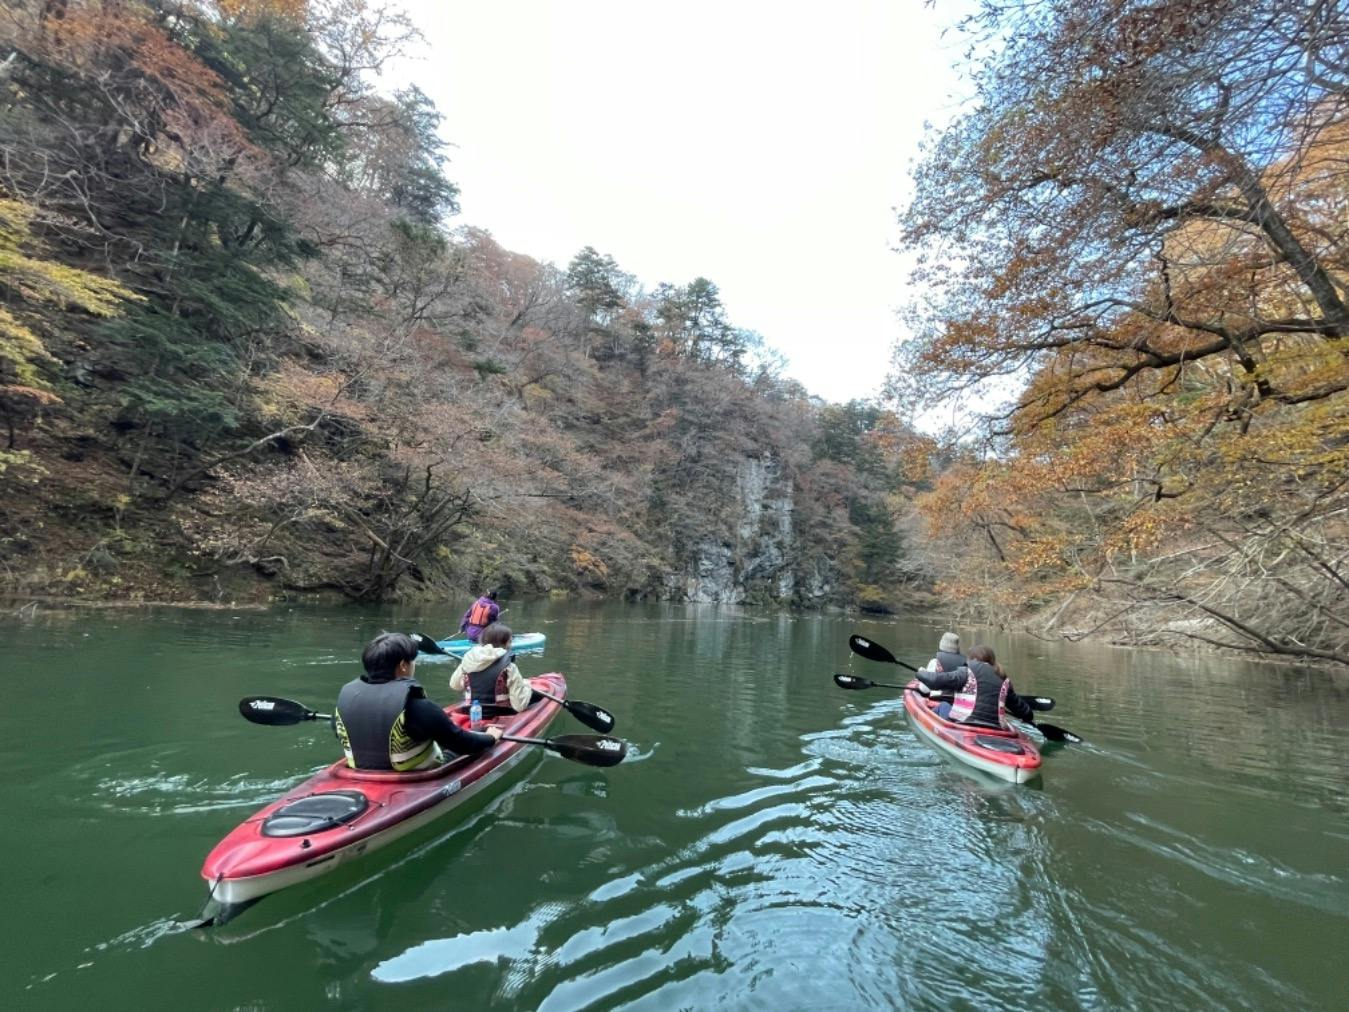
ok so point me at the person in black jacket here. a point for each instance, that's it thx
(948, 656)
(983, 692)
(385, 721)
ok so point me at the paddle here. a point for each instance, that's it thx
(1055, 733)
(277, 712)
(592, 716)
(427, 645)
(875, 652)
(853, 682)
(1052, 732)
(587, 713)
(593, 750)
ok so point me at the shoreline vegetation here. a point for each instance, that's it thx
(255, 356)
(245, 352)
(30, 608)
(1148, 203)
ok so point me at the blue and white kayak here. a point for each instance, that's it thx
(521, 643)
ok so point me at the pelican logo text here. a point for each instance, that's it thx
(604, 716)
(609, 745)
(262, 704)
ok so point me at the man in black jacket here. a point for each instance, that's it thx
(385, 721)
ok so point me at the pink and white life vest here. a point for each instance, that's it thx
(962, 707)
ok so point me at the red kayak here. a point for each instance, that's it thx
(341, 814)
(1009, 755)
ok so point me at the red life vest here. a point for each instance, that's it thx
(481, 612)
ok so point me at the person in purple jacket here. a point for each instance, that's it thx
(481, 613)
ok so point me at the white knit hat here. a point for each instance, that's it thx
(950, 643)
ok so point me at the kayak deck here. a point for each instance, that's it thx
(1006, 754)
(354, 812)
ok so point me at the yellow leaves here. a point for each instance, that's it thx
(21, 347)
(1025, 557)
(1140, 532)
(31, 282)
(587, 563)
(251, 11)
(21, 460)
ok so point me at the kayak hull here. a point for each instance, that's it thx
(1007, 755)
(524, 643)
(249, 864)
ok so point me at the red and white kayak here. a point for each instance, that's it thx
(1009, 755)
(341, 814)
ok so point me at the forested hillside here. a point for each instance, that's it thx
(1146, 214)
(244, 352)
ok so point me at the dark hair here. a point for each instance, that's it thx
(385, 652)
(498, 634)
(491, 595)
(982, 653)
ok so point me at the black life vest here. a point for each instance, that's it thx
(950, 661)
(481, 612)
(370, 724)
(489, 684)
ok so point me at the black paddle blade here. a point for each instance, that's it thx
(1055, 733)
(427, 645)
(593, 750)
(591, 715)
(852, 682)
(863, 647)
(275, 711)
(1041, 703)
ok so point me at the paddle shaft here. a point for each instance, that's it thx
(589, 749)
(589, 714)
(888, 685)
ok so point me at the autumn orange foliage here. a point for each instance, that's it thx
(1170, 284)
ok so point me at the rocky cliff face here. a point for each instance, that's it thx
(756, 561)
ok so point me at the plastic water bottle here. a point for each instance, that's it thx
(475, 715)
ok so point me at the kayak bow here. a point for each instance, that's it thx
(341, 814)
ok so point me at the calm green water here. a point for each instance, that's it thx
(776, 843)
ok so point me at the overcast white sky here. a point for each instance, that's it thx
(761, 145)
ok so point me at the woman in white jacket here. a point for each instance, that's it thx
(488, 672)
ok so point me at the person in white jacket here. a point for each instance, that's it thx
(488, 672)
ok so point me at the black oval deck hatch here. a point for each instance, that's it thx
(315, 813)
